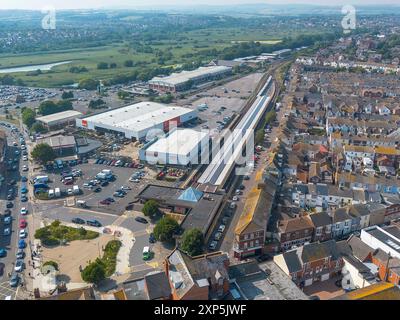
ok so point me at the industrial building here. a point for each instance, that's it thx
(137, 120)
(178, 147)
(183, 80)
(59, 120)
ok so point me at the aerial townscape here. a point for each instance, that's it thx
(199, 152)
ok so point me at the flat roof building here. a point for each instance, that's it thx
(62, 145)
(136, 120)
(178, 147)
(59, 119)
(182, 80)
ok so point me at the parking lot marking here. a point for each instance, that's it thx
(6, 290)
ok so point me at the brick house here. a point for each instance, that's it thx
(197, 278)
(311, 263)
(388, 267)
(250, 231)
(294, 232)
(322, 226)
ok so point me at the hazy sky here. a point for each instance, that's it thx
(73, 4)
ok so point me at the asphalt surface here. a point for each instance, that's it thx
(10, 242)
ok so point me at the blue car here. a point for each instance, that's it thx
(3, 253)
(24, 190)
(21, 244)
(24, 179)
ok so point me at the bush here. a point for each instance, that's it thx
(102, 65)
(51, 263)
(94, 272)
(88, 84)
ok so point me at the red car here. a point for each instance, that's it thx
(23, 223)
(106, 202)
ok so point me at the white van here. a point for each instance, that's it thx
(51, 193)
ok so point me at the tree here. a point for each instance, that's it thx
(28, 117)
(67, 95)
(150, 208)
(42, 233)
(94, 272)
(43, 153)
(38, 127)
(50, 107)
(192, 242)
(165, 228)
(88, 84)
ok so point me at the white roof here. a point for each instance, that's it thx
(59, 116)
(184, 76)
(138, 116)
(179, 141)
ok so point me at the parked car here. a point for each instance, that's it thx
(24, 179)
(221, 228)
(7, 231)
(93, 223)
(3, 252)
(21, 244)
(105, 202)
(22, 224)
(20, 254)
(217, 236)
(7, 212)
(78, 221)
(104, 183)
(98, 189)
(14, 280)
(141, 220)
(24, 211)
(24, 198)
(7, 220)
(23, 234)
(152, 238)
(213, 245)
(2, 267)
(9, 205)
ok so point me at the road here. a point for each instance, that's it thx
(10, 243)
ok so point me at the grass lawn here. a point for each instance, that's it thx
(54, 233)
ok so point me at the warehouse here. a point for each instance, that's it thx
(178, 147)
(59, 120)
(137, 120)
(184, 80)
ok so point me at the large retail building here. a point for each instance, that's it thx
(140, 121)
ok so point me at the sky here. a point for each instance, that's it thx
(85, 4)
